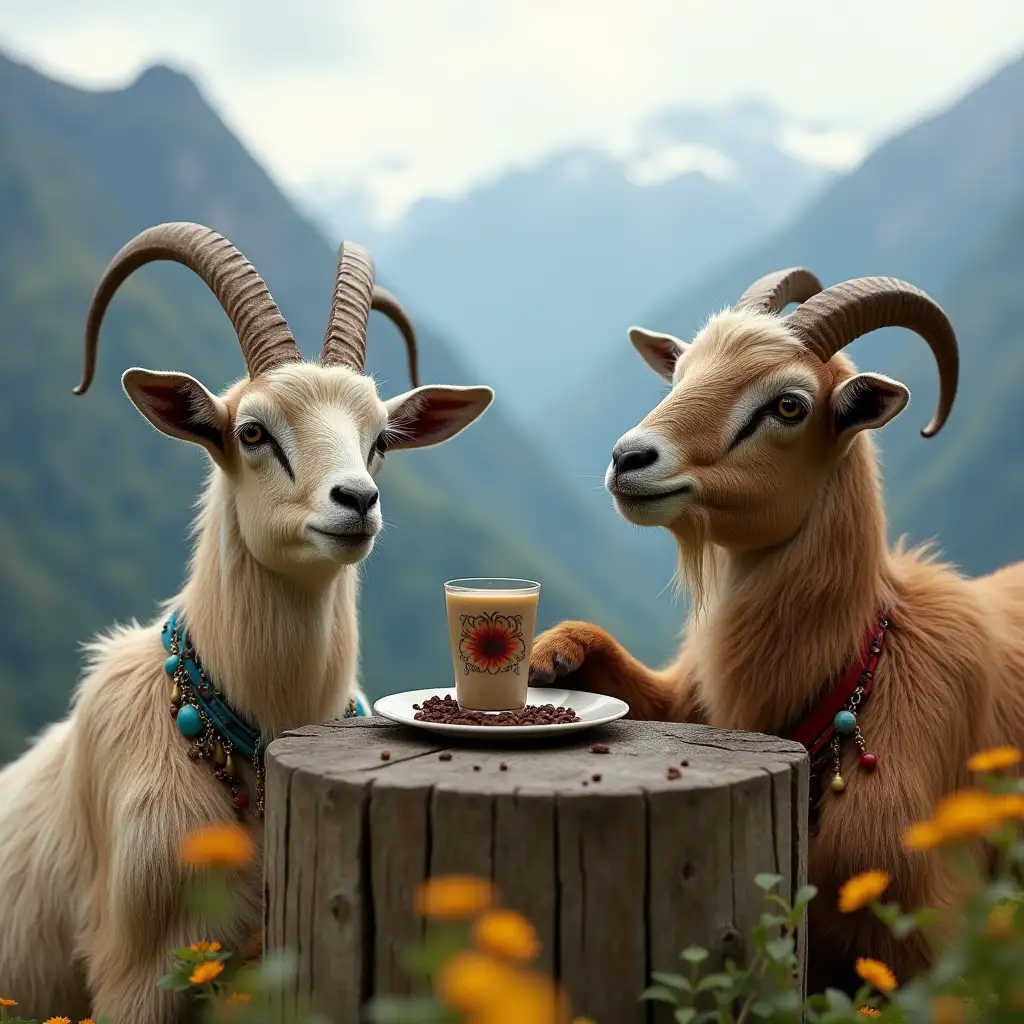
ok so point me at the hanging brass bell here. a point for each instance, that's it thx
(176, 695)
(229, 767)
(219, 757)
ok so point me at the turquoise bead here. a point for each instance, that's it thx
(845, 722)
(190, 722)
(171, 664)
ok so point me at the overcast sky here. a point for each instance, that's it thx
(414, 97)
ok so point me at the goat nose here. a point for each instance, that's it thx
(624, 459)
(360, 501)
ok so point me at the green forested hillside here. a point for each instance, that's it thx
(94, 505)
(940, 205)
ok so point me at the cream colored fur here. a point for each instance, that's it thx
(785, 537)
(93, 814)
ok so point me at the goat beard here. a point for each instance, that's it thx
(696, 565)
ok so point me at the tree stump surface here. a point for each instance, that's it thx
(618, 874)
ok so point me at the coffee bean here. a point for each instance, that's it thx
(385, 754)
(674, 773)
(447, 711)
(476, 767)
(503, 767)
(684, 764)
(446, 756)
(596, 778)
(598, 748)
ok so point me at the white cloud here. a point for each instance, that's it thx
(407, 97)
(839, 150)
(679, 159)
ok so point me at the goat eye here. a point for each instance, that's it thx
(790, 409)
(381, 444)
(252, 434)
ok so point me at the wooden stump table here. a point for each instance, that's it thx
(620, 859)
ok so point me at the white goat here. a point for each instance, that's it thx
(93, 815)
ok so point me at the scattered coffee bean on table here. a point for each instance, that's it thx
(684, 764)
(503, 767)
(595, 778)
(446, 711)
(598, 748)
(446, 756)
(674, 773)
(385, 754)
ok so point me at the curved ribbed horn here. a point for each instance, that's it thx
(829, 321)
(262, 331)
(355, 294)
(345, 340)
(775, 291)
(384, 302)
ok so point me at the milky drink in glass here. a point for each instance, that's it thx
(490, 626)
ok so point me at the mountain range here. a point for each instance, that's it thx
(526, 272)
(95, 505)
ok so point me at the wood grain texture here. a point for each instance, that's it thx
(618, 874)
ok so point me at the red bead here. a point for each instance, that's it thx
(241, 800)
(868, 761)
(174, 711)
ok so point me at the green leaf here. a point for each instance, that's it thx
(684, 1015)
(211, 899)
(767, 882)
(672, 980)
(769, 921)
(903, 926)
(805, 894)
(694, 954)
(277, 969)
(714, 981)
(413, 1010)
(174, 983)
(660, 994)
(838, 1002)
(779, 949)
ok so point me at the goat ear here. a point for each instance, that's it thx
(433, 413)
(179, 406)
(865, 402)
(660, 351)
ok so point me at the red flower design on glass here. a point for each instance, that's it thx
(492, 643)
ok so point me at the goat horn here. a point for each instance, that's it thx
(384, 302)
(773, 292)
(262, 331)
(829, 321)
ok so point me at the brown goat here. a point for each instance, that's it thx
(760, 465)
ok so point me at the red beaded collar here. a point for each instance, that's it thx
(835, 714)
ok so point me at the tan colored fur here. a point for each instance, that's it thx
(93, 814)
(796, 533)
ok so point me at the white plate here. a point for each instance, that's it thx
(591, 708)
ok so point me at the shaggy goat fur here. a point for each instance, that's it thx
(93, 815)
(793, 568)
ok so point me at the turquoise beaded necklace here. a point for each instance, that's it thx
(203, 715)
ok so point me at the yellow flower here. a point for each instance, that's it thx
(57, 1020)
(999, 923)
(1011, 804)
(506, 933)
(454, 897)
(88, 1020)
(204, 947)
(227, 846)
(862, 889)
(948, 1010)
(239, 998)
(869, 1011)
(470, 981)
(206, 971)
(922, 836)
(994, 759)
(875, 973)
(8, 1002)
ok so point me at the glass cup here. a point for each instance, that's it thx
(490, 625)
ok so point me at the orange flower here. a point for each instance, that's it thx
(205, 947)
(875, 973)
(57, 1020)
(471, 981)
(869, 1011)
(88, 1020)
(206, 971)
(8, 1002)
(454, 897)
(862, 889)
(227, 845)
(994, 759)
(506, 933)
(922, 836)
